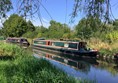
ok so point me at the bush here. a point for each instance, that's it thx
(30, 34)
(112, 36)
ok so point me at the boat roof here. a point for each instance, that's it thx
(14, 38)
(56, 41)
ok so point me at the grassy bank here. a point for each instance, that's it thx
(105, 48)
(19, 66)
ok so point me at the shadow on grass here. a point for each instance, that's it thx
(6, 57)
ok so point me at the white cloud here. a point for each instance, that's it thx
(0, 25)
(45, 22)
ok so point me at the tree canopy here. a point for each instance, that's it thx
(17, 26)
(57, 29)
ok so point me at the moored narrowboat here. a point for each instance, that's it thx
(19, 41)
(67, 47)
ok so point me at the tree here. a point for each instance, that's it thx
(42, 31)
(15, 26)
(30, 26)
(83, 29)
(96, 8)
(5, 6)
(56, 29)
(1, 32)
(87, 27)
(115, 24)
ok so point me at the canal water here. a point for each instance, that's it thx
(81, 68)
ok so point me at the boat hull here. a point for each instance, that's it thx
(67, 51)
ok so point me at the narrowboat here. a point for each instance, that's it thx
(19, 41)
(65, 47)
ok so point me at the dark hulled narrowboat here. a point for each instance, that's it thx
(66, 47)
(19, 41)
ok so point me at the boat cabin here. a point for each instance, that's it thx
(65, 44)
(66, 47)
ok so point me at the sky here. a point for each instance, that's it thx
(60, 11)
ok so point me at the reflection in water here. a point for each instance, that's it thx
(75, 63)
(110, 66)
(101, 71)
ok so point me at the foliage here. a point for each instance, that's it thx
(112, 36)
(42, 31)
(56, 29)
(108, 52)
(5, 6)
(29, 34)
(29, 7)
(96, 8)
(16, 26)
(1, 33)
(30, 26)
(98, 44)
(2, 38)
(9, 50)
(115, 24)
(86, 28)
(39, 32)
(105, 48)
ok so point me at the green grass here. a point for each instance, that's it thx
(108, 52)
(24, 68)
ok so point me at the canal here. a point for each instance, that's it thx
(102, 71)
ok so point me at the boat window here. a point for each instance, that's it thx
(40, 42)
(21, 40)
(73, 45)
(61, 44)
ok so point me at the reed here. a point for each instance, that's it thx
(105, 48)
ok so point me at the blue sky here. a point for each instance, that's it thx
(60, 11)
